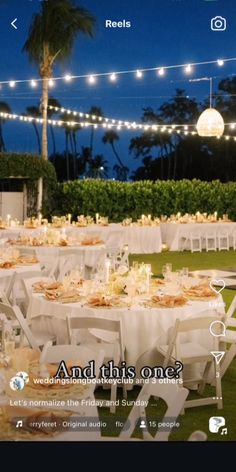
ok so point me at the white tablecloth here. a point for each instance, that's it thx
(172, 233)
(140, 239)
(142, 327)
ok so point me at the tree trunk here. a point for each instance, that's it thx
(37, 137)
(45, 119)
(40, 195)
(67, 156)
(117, 157)
(91, 140)
(53, 140)
(2, 144)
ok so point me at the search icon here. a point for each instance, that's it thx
(217, 328)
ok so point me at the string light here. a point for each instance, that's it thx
(188, 69)
(33, 83)
(91, 79)
(161, 71)
(51, 83)
(68, 78)
(12, 83)
(113, 77)
(125, 125)
(138, 73)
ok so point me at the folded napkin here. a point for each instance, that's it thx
(27, 260)
(101, 300)
(168, 301)
(91, 241)
(7, 264)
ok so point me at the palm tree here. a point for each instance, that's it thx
(121, 172)
(98, 167)
(51, 38)
(53, 102)
(70, 140)
(109, 138)
(35, 113)
(96, 112)
(4, 108)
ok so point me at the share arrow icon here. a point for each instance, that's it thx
(218, 355)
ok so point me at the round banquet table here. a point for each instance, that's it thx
(90, 254)
(172, 233)
(140, 239)
(143, 327)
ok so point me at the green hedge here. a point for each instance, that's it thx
(118, 200)
(30, 167)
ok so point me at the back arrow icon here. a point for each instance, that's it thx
(13, 23)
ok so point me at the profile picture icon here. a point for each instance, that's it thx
(24, 376)
(17, 383)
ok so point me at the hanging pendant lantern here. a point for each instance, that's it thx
(210, 122)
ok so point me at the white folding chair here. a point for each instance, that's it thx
(211, 241)
(173, 395)
(35, 340)
(195, 241)
(192, 352)
(48, 258)
(69, 260)
(69, 352)
(229, 340)
(223, 240)
(234, 239)
(16, 293)
(107, 336)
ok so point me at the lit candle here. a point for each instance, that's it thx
(97, 218)
(143, 216)
(107, 270)
(8, 220)
(149, 217)
(40, 219)
(69, 218)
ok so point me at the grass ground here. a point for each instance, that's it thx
(194, 418)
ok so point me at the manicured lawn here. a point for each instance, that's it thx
(194, 418)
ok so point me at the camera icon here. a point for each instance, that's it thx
(218, 23)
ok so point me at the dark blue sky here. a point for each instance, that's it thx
(163, 32)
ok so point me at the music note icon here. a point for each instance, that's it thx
(224, 431)
(19, 424)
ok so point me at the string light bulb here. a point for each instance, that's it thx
(91, 79)
(188, 69)
(12, 83)
(161, 71)
(33, 83)
(139, 74)
(113, 77)
(51, 83)
(68, 78)
(220, 62)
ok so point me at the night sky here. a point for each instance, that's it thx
(163, 32)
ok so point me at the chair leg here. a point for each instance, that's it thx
(229, 356)
(113, 397)
(218, 388)
(204, 378)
